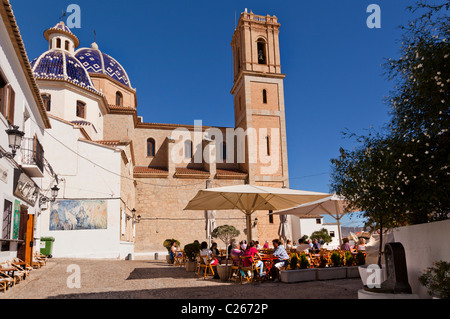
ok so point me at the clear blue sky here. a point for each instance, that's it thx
(178, 57)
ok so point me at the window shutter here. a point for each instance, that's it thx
(11, 104)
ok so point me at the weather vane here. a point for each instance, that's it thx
(63, 14)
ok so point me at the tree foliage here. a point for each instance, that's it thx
(399, 174)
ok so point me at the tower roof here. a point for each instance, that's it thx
(61, 28)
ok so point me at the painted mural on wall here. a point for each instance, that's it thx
(16, 222)
(78, 214)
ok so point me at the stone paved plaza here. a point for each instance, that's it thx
(155, 279)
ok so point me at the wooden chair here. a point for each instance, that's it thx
(250, 270)
(235, 267)
(19, 273)
(38, 261)
(19, 262)
(179, 258)
(3, 284)
(206, 266)
(10, 281)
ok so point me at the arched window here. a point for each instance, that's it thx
(261, 49)
(119, 99)
(67, 45)
(264, 96)
(188, 149)
(150, 147)
(81, 109)
(58, 43)
(46, 98)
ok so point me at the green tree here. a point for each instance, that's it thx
(400, 174)
(321, 234)
(225, 233)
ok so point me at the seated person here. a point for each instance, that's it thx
(214, 249)
(252, 252)
(361, 245)
(235, 252)
(345, 245)
(316, 246)
(302, 246)
(204, 251)
(282, 258)
(173, 249)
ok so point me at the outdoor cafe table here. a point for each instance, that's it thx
(268, 262)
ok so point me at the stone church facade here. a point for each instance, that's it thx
(162, 166)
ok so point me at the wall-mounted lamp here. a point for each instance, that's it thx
(255, 222)
(44, 199)
(15, 141)
(136, 219)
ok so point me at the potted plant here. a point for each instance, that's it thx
(225, 233)
(191, 250)
(437, 280)
(168, 245)
(294, 274)
(334, 272)
(352, 270)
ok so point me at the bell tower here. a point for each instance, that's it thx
(259, 98)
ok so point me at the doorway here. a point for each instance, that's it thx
(26, 233)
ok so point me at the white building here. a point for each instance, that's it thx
(21, 176)
(92, 217)
(306, 226)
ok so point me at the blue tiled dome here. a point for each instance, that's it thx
(96, 61)
(59, 65)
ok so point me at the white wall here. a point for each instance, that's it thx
(424, 244)
(24, 100)
(82, 179)
(64, 101)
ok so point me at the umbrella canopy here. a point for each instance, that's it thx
(210, 216)
(250, 198)
(284, 231)
(333, 205)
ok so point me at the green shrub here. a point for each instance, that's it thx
(191, 250)
(360, 258)
(349, 259)
(437, 280)
(336, 259)
(168, 243)
(293, 262)
(304, 262)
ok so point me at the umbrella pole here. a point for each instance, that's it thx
(249, 227)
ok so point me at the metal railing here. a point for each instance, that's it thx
(32, 152)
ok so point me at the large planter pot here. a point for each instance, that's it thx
(191, 265)
(224, 272)
(364, 274)
(330, 273)
(298, 275)
(352, 272)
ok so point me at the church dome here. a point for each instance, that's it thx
(96, 61)
(61, 65)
